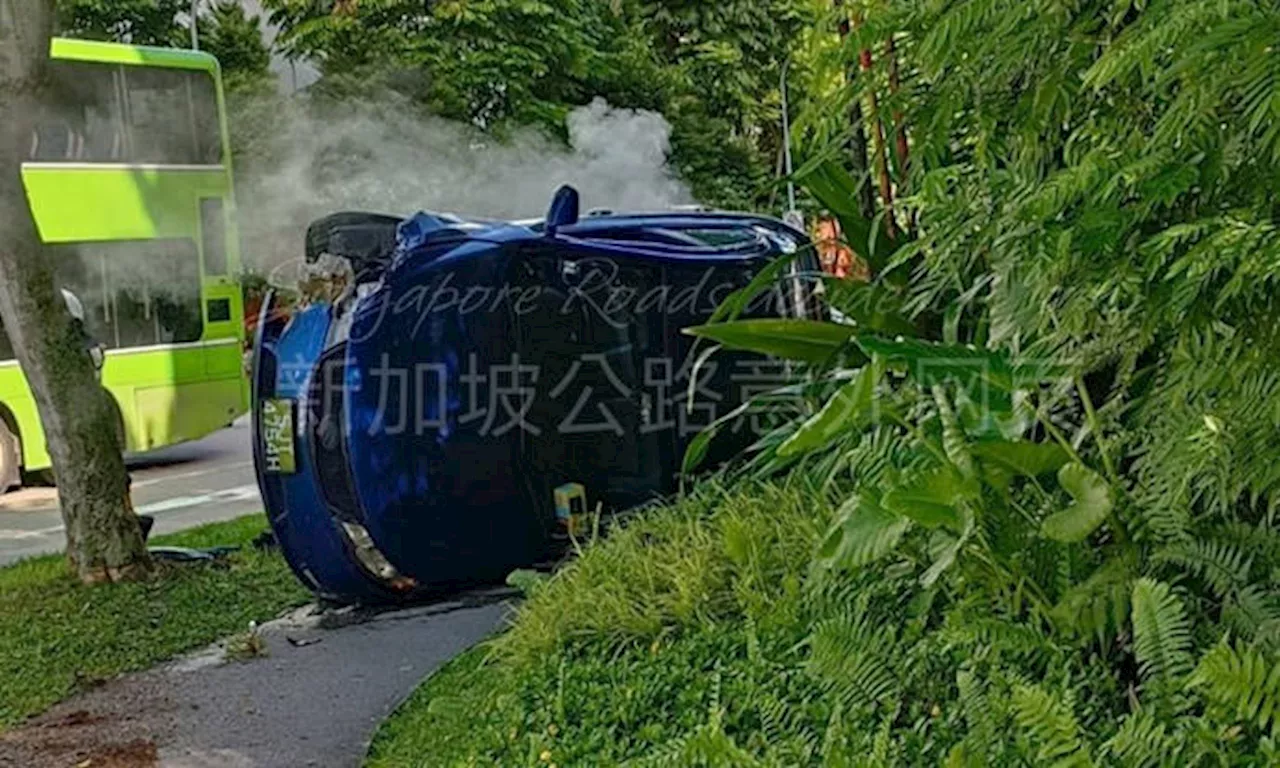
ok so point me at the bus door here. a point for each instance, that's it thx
(222, 302)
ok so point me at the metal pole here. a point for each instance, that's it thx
(786, 140)
(792, 216)
(195, 33)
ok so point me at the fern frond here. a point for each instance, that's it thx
(1261, 541)
(1161, 632)
(1254, 612)
(1145, 740)
(1222, 566)
(1003, 636)
(707, 745)
(1051, 727)
(986, 722)
(1243, 683)
(850, 658)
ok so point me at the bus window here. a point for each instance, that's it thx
(111, 113)
(173, 116)
(82, 120)
(213, 236)
(135, 293)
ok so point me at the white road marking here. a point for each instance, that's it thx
(194, 473)
(239, 493)
(12, 535)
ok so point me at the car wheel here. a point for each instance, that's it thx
(366, 240)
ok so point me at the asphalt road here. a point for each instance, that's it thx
(181, 486)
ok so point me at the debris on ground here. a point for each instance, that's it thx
(246, 646)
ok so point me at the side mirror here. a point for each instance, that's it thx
(564, 210)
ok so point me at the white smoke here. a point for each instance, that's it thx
(382, 156)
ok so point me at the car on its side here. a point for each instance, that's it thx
(429, 422)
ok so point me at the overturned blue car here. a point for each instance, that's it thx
(476, 386)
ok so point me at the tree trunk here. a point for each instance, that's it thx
(858, 137)
(900, 131)
(877, 136)
(104, 540)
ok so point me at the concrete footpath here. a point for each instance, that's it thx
(315, 699)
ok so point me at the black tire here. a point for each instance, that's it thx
(10, 458)
(366, 240)
(45, 478)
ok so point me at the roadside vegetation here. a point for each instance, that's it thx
(675, 631)
(58, 636)
(1029, 515)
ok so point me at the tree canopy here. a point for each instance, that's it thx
(235, 37)
(140, 22)
(713, 71)
(226, 30)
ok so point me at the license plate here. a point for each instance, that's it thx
(277, 436)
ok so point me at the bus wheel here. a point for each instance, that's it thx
(10, 459)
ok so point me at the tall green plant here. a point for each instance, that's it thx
(1069, 438)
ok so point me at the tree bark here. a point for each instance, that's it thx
(877, 136)
(104, 539)
(858, 137)
(900, 131)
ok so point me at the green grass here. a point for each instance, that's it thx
(658, 642)
(56, 634)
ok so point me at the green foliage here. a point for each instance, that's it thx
(1161, 633)
(1050, 726)
(803, 340)
(849, 408)
(141, 22)
(697, 634)
(1244, 683)
(526, 581)
(1049, 536)
(713, 71)
(226, 31)
(1023, 458)
(865, 532)
(1086, 253)
(235, 38)
(1090, 505)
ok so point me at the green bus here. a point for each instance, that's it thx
(129, 182)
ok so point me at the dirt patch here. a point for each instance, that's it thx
(74, 719)
(117, 725)
(140, 753)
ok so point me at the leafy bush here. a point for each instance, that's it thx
(698, 636)
(1080, 289)
(1039, 453)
